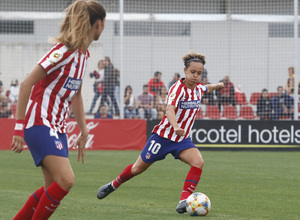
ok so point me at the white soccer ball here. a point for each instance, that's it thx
(198, 204)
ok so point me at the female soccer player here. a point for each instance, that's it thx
(171, 135)
(44, 100)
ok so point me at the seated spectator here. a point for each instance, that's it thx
(282, 104)
(289, 86)
(161, 100)
(226, 95)
(130, 103)
(176, 77)
(5, 112)
(208, 98)
(102, 114)
(3, 98)
(146, 104)
(155, 83)
(264, 106)
(14, 91)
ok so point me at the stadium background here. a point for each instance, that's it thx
(252, 42)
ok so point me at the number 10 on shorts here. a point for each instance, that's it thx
(154, 147)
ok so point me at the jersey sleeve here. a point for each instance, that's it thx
(54, 58)
(174, 95)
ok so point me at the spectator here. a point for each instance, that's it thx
(130, 103)
(146, 104)
(226, 95)
(14, 91)
(264, 106)
(208, 98)
(291, 71)
(102, 114)
(289, 86)
(5, 112)
(176, 77)
(117, 84)
(155, 83)
(98, 84)
(3, 98)
(282, 104)
(203, 76)
(161, 100)
(109, 86)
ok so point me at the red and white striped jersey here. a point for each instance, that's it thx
(187, 103)
(51, 97)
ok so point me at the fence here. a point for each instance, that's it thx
(252, 42)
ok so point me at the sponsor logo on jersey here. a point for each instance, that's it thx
(55, 56)
(194, 104)
(72, 84)
(59, 145)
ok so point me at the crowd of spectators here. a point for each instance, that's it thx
(8, 99)
(152, 101)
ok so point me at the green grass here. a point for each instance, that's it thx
(240, 185)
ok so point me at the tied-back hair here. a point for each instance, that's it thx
(193, 56)
(79, 18)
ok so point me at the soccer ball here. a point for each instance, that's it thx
(198, 204)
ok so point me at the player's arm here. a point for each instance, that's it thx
(212, 87)
(170, 112)
(26, 85)
(77, 108)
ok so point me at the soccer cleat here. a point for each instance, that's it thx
(105, 190)
(181, 208)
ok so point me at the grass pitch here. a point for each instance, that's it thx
(240, 185)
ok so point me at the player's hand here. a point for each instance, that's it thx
(179, 131)
(220, 85)
(17, 144)
(81, 146)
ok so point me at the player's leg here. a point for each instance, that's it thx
(59, 178)
(28, 209)
(130, 171)
(193, 157)
(155, 149)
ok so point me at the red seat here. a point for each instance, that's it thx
(212, 112)
(254, 98)
(199, 114)
(240, 98)
(246, 112)
(229, 112)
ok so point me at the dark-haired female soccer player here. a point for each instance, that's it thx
(171, 135)
(43, 106)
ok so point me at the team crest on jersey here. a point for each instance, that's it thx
(59, 145)
(172, 96)
(72, 84)
(55, 56)
(194, 104)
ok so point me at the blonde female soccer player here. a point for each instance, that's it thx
(171, 135)
(44, 100)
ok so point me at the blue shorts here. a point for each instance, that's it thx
(42, 141)
(157, 148)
